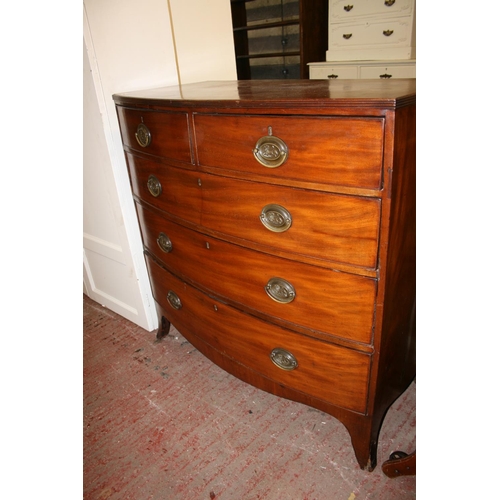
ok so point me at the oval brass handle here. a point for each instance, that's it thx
(385, 75)
(347, 8)
(164, 243)
(271, 151)
(388, 32)
(332, 76)
(347, 36)
(280, 290)
(154, 186)
(276, 218)
(389, 3)
(143, 135)
(173, 300)
(283, 359)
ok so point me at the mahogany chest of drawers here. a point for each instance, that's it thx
(278, 222)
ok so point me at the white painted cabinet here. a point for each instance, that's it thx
(371, 30)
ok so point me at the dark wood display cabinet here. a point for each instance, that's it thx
(276, 39)
(278, 222)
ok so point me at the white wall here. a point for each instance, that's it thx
(203, 39)
(130, 45)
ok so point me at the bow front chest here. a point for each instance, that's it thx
(278, 222)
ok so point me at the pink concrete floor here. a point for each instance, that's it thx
(162, 422)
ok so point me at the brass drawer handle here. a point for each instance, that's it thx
(280, 290)
(388, 32)
(164, 243)
(283, 359)
(348, 8)
(276, 218)
(389, 3)
(347, 36)
(154, 186)
(173, 300)
(143, 135)
(271, 151)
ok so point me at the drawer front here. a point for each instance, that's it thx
(170, 189)
(395, 71)
(162, 134)
(330, 302)
(324, 371)
(335, 151)
(342, 11)
(322, 225)
(374, 35)
(333, 72)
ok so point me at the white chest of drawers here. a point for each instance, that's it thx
(371, 30)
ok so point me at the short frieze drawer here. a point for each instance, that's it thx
(164, 134)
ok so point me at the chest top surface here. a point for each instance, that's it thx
(288, 93)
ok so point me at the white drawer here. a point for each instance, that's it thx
(345, 10)
(387, 33)
(333, 72)
(390, 71)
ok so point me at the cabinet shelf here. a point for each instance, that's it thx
(291, 22)
(268, 54)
